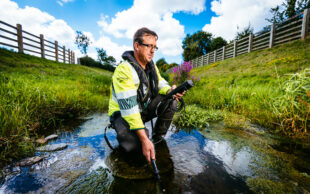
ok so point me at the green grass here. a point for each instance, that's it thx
(252, 84)
(37, 95)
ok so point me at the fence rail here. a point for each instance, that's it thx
(297, 27)
(15, 37)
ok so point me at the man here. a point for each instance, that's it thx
(137, 96)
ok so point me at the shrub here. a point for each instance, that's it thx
(90, 62)
(195, 117)
(165, 76)
(183, 73)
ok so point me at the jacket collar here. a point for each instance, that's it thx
(130, 57)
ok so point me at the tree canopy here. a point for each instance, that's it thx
(196, 45)
(82, 41)
(287, 9)
(200, 43)
(107, 61)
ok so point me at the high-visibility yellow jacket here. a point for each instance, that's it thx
(124, 91)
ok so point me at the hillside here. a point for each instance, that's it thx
(37, 95)
(269, 87)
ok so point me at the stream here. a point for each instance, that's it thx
(212, 160)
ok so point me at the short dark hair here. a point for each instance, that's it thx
(141, 32)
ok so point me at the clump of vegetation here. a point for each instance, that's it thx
(293, 107)
(37, 95)
(259, 185)
(195, 117)
(235, 121)
(183, 73)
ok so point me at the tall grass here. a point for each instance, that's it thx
(37, 95)
(253, 85)
(293, 107)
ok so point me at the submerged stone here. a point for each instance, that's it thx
(50, 137)
(41, 141)
(30, 161)
(52, 147)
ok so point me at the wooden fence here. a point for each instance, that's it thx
(17, 38)
(297, 27)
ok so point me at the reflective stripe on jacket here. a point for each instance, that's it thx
(123, 95)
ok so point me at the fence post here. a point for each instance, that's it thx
(208, 59)
(235, 49)
(64, 53)
(305, 24)
(214, 55)
(203, 58)
(56, 51)
(73, 58)
(271, 36)
(250, 43)
(20, 38)
(224, 48)
(69, 56)
(42, 46)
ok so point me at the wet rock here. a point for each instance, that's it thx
(52, 147)
(50, 137)
(30, 161)
(41, 141)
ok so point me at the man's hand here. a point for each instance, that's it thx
(147, 145)
(177, 95)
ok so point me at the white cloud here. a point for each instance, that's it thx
(111, 47)
(37, 22)
(156, 15)
(238, 13)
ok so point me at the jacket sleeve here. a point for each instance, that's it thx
(125, 93)
(163, 85)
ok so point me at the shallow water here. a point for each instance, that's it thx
(215, 160)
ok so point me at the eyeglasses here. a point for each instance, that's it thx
(149, 46)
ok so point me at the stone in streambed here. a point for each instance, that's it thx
(30, 161)
(50, 137)
(41, 141)
(52, 147)
(44, 140)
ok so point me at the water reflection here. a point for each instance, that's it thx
(187, 161)
(235, 163)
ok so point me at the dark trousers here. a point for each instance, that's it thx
(158, 107)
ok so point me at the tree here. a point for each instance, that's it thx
(287, 9)
(104, 58)
(217, 43)
(245, 32)
(277, 15)
(82, 41)
(160, 63)
(108, 62)
(196, 45)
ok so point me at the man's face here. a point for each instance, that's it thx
(146, 50)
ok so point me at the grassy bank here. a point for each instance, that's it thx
(259, 85)
(37, 95)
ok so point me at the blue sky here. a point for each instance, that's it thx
(111, 24)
